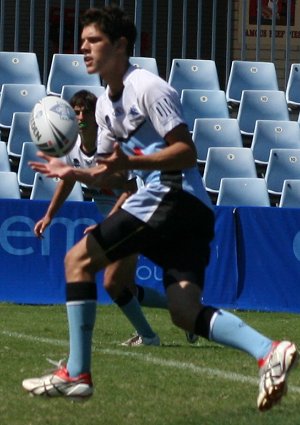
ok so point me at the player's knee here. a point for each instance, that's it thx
(183, 303)
(75, 262)
(179, 315)
(114, 287)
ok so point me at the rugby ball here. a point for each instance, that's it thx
(53, 126)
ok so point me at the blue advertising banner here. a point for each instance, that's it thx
(254, 265)
(268, 247)
(32, 269)
(221, 277)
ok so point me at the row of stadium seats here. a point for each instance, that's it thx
(253, 192)
(20, 181)
(252, 86)
(23, 97)
(42, 189)
(21, 87)
(65, 69)
(207, 132)
(225, 132)
(243, 75)
(235, 163)
(70, 69)
(234, 191)
(255, 105)
(211, 105)
(23, 68)
(239, 162)
(197, 103)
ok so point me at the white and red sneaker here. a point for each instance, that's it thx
(59, 383)
(274, 370)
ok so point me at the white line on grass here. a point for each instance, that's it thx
(213, 373)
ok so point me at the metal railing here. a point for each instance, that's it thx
(221, 30)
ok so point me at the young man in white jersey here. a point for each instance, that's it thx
(170, 219)
(84, 155)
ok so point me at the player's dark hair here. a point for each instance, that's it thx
(84, 99)
(114, 22)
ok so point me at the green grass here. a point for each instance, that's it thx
(176, 384)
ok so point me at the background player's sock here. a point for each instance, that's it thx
(149, 297)
(132, 310)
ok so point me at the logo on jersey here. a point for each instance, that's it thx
(108, 123)
(118, 111)
(133, 111)
(138, 151)
(110, 127)
(76, 163)
(164, 109)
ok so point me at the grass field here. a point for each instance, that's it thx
(175, 384)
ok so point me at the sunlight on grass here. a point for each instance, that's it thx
(176, 384)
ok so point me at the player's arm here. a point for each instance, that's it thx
(179, 154)
(98, 176)
(62, 191)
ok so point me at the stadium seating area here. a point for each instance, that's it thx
(247, 136)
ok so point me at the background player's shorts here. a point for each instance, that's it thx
(177, 237)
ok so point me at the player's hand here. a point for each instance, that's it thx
(117, 161)
(40, 226)
(54, 167)
(89, 229)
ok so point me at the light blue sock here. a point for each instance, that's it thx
(81, 318)
(149, 297)
(134, 314)
(228, 329)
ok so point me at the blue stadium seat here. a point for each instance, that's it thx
(18, 98)
(290, 195)
(198, 103)
(243, 191)
(9, 187)
(69, 90)
(194, 74)
(274, 134)
(19, 68)
(19, 133)
(250, 75)
(261, 105)
(25, 172)
(283, 164)
(292, 91)
(227, 162)
(214, 132)
(44, 187)
(4, 159)
(145, 62)
(69, 69)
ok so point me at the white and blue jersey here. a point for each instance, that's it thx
(104, 199)
(139, 119)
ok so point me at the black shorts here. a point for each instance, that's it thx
(177, 238)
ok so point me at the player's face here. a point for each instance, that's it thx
(98, 50)
(86, 119)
